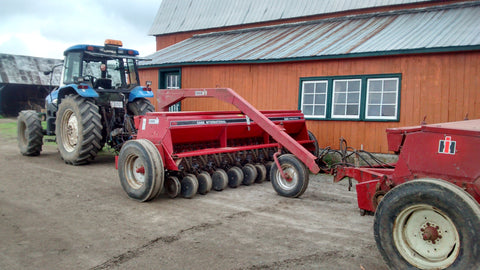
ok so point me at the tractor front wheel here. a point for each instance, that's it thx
(78, 130)
(428, 224)
(29, 133)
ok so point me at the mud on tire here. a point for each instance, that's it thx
(29, 133)
(78, 130)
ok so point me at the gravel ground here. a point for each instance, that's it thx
(57, 216)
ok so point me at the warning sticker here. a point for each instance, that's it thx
(447, 146)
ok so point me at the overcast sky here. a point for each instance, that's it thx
(45, 28)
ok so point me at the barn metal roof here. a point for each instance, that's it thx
(442, 28)
(187, 15)
(18, 69)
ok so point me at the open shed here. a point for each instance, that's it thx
(23, 84)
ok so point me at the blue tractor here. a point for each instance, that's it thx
(98, 96)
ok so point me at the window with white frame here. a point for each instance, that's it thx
(382, 95)
(363, 97)
(346, 98)
(314, 102)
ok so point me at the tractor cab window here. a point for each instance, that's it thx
(131, 72)
(71, 69)
(101, 72)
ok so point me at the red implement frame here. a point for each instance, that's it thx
(447, 151)
(166, 98)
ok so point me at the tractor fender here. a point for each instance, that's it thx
(138, 92)
(84, 90)
(81, 89)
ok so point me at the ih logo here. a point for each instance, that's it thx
(447, 146)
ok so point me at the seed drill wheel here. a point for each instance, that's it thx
(235, 176)
(172, 186)
(29, 133)
(249, 174)
(189, 186)
(78, 130)
(219, 179)
(297, 176)
(428, 224)
(140, 168)
(261, 173)
(204, 183)
(315, 143)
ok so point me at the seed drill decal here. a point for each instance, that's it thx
(447, 146)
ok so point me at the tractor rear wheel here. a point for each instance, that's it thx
(78, 130)
(140, 106)
(140, 169)
(29, 133)
(297, 176)
(428, 224)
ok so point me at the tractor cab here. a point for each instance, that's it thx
(101, 67)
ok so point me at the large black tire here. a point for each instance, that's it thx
(78, 130)
(297, 172)
(428, 224)
(140, 106)
(140, 168)
(29, 133)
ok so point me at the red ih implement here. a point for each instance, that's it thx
(426, 205)
(190, 152)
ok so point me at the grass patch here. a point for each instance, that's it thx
(8, 130)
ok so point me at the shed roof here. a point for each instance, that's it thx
(19, 69)
(444, 28)
(175, 16)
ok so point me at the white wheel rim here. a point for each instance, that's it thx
(426, 237)
(292, 173)
(69, 131)
(135, 172)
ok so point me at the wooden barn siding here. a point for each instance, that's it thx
(443, 87)
(150, 75)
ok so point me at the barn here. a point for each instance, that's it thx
(354, 68)
(23, 84)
